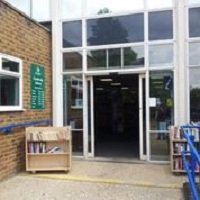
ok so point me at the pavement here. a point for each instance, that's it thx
(93, 180)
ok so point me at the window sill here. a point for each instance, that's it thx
(10, 109)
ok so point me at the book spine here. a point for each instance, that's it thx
(43, 148)
(32, 147)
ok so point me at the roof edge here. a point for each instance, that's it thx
(24, 15)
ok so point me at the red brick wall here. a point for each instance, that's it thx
(27, 40)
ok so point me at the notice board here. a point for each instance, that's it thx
(37, 89)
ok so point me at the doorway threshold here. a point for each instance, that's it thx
(114, 160)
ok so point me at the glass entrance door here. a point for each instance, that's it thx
(73, 110)
(161, 109)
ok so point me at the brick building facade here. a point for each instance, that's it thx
(25, 39)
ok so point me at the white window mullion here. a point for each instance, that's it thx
(31, 8)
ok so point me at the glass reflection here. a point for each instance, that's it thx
(115, 30)
(194, 52)
(160, 25)
(114, 58)
(10, 65)
(160, 149)
(194, 22)
(97, 59)
(9, 91)
(72, 61)
(97, 7)
(133, 56)
(195, 94)
(161, 55)
(71, 9)
(72, 34)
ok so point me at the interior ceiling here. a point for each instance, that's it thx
(125, 80)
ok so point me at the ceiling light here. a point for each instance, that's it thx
(115, 84)
(106, 80)
(124, 88)
(99, 89)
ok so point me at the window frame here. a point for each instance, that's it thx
(18, 75)
(161, 66)
(81, 34)
(189, 69)
(173, 24)
(195, 6)
(127, 15)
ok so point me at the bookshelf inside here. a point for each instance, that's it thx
(48, 149)
(177, 145)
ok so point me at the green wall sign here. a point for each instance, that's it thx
(37, 74)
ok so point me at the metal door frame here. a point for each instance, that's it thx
(91, 154)
(141, 120)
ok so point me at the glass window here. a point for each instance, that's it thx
(194, 22)
(115, 30)
(114, 58)
(9, 91)
(71, 9)
(194, 52)
(160, 55)
(10, 88)
(195, 94)
(72, 61)
(97, 59)
(10, 65)
(72, 34)
(161, 113)
(23, 5)
(41, 10)
(97, 7)
(10, 83)
(73, 109)
(133, 56)
(160, 25)
(152, 4)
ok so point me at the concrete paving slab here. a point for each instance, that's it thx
(148, 175)
(32, 188)
(94, 180)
